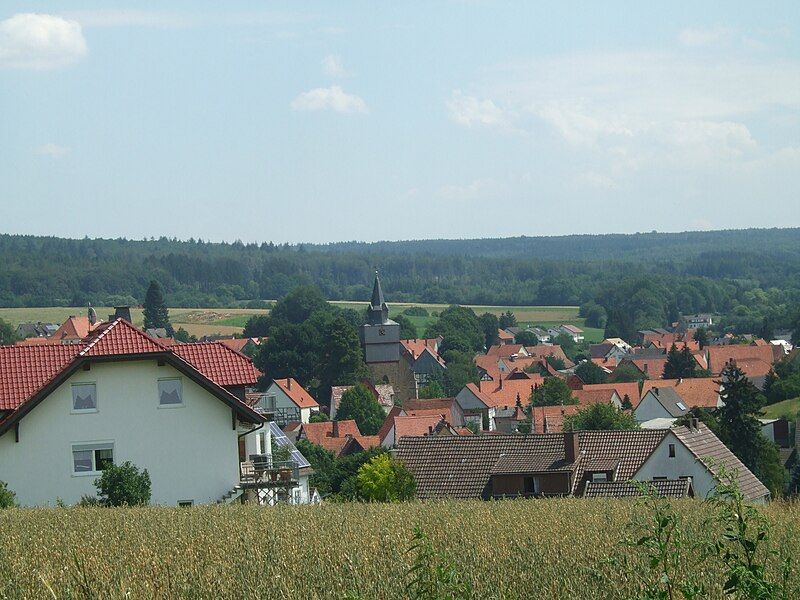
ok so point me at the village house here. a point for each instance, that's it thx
(69, 410)
(423, 354)
(382, 392)
(340, 437)
(576, 333)
(285, 398)
(563, 464)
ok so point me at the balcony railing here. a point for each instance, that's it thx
(261, 469)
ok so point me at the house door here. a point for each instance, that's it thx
(242, 450)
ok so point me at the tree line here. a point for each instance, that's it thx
(624, 283)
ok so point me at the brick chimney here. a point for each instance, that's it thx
(335, 429)
(571, 448)
(288, 383)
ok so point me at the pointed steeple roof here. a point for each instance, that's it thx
(377, 293)
(378, 311)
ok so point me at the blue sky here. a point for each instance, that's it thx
(315, 122)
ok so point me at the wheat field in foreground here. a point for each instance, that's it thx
(511, 549)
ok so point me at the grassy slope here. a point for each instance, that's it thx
(227, 321)
(513, 549)
(787, 408)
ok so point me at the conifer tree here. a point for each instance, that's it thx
(156, 314)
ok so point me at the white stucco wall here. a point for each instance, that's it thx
(650, 408)
(190, 451)
(684, 464)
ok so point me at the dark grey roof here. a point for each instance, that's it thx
(531, 463)
(669, 488)
(600, 350)
(461, 466)
(708, 448)
(377, 293)
(670, 400)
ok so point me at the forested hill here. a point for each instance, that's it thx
(640, 280)
(682, 245)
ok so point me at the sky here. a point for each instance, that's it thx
(332, 121)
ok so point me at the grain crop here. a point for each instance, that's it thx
(506, 549)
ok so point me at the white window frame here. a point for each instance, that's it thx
(81, 411)
(180, 404)
(601, 477)
(92, 447)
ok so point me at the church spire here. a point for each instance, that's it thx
(378, 311)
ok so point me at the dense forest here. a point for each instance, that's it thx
(752, 277)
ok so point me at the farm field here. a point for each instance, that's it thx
(229, 321)
(509, 549)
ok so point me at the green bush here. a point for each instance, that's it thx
(124, 485)
(6, 496)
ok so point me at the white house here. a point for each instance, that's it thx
(260, 442)
(67, 411)
(576, 333)
(288, 400)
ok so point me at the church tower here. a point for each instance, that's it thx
(380, 336)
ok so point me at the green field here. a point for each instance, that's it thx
(554, 549)
(787, 408)
(228, 321)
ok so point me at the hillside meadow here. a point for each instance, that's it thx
(230, 321)
(511, 549)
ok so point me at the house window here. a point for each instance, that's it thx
(672, 450)
(659, 478)
(84, 397)
(170, 392)
(530, 485)
(90, 459)
(599, 477)
(185, 503)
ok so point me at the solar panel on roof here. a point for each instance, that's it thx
(280, 438)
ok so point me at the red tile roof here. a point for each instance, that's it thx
(26, 369)
(120, 337)
(417, 346)
(442, 407)
(718, 356)
(336, 436)
(219, 363)
(550, 419)
(542, 351)
(594, 396)
(503, 393)
(701, 391)
(415, 425)
(297, 393)
(74, 328)
(631, 389)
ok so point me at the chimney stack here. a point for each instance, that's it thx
(288, 383)
(571, 447)
(336, 429)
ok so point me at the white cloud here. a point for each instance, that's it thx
(131, 18)
(469, 111)
(623, 113)
(470, 191)
(332, 67)
(596, 181)
(330, 98)
(695, 37)
(36, 41)
(52, 150)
